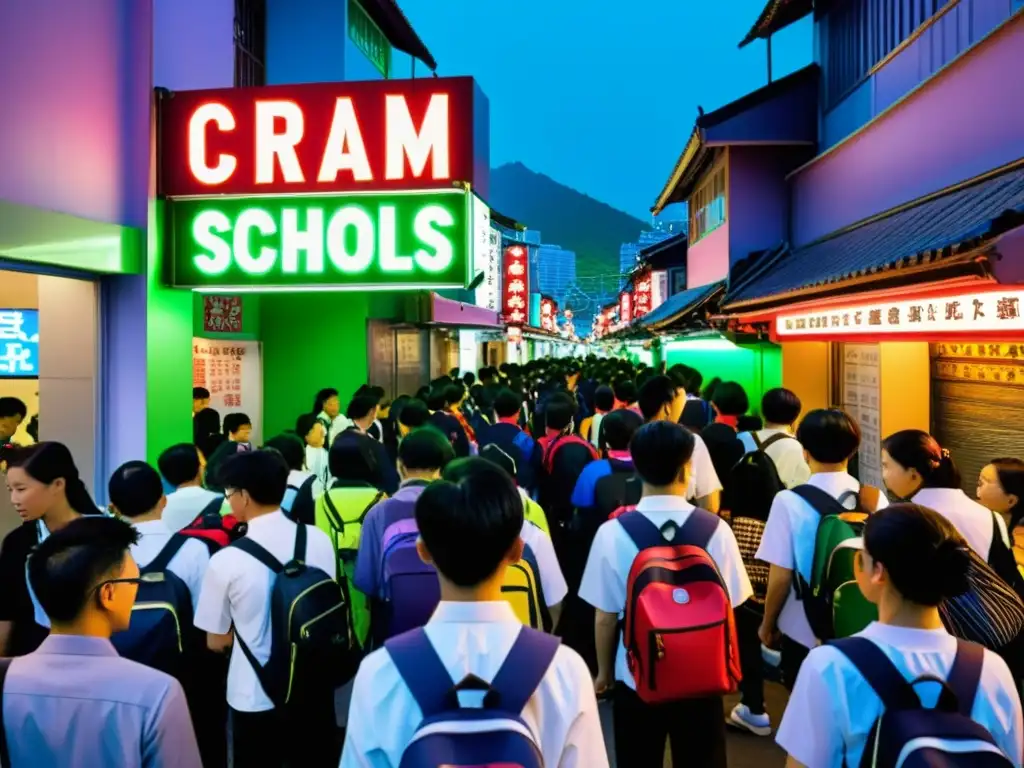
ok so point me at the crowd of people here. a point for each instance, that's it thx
(479, 562)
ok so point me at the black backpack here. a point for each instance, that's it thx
(303, 508)
(622, 488)
(311, 645)
(161, 633)
(754, 480)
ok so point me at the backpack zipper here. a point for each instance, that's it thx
(304, 629)
(657, 644)
(291, 674)
(303, 593)
(167, 607)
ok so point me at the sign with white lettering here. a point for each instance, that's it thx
(486, 257)
(19, 343)
(991, 312)
(390, 241)
(325, 137)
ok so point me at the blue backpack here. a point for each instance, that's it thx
(909, 735)
(452, 734)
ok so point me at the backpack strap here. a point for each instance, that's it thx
(422, 670)
(549, 454)
(332, 512)
(822, 501)
(5, 755)
(211, 509)
(522, 670)
(881, 674)
(643, 533)
(163, 559)
(299, 555)
(698, 529)
(764, 446)
(253, 549)
(965, 674)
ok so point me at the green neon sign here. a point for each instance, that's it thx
(387, 241)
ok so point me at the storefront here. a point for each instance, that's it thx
(324, 216)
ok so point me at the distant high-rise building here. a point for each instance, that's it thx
(555, 270)
(627, 257)
(629, 252)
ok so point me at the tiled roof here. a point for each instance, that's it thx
(678, 305)
(777, 14)
(933, 228)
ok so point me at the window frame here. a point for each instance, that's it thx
(711, 193)
(249, 32)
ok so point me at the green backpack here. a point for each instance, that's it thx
(833, 603)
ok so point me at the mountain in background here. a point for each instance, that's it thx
(565, 217)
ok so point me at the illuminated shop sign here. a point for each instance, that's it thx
(548, 314)
(390, 241)
(642, 293)
(19, 343)
(325, 137)
(988, 313)
(625, 307)
(517, 284)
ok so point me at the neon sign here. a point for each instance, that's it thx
(19, 343)
(625, 307)
(517, 284)
(642, 293)
(391, 241)
(326, 137)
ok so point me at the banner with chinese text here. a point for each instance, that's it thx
(232, 371)
(516, 268)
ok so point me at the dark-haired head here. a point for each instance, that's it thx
(915, 553)
(604, 399)
(200, 399)
(206, 422)
(661, 453)
(470, 522)
(829, 436)
(455, 393)
(507, 403)
(254, 482)
(414, 414)
(180, 465)
(135, 490)
(353, 460)
(436, 400)
(85, 568)
(662, 399)
(912, 460)
(238, 427)
(626, 391)
(560, 412)
(618, 428)
(363, 408)
(291, 448)
(780, 407)
(1001, 489)
(326, 401)
(44, 480)
(730, 399)
(12, 412)
(424, 453)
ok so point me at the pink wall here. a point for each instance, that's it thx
(75, 85)
(707, 260)
(962, 123)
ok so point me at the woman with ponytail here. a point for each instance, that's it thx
(912, 559)
(47, 493)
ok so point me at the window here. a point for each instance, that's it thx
(368, 38)
(707, 205)
(860, 33)
(250, 42)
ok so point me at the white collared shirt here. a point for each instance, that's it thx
(788, 542)
(236, 591)
(975, 522)
(833, 708)
(552, 580)
(474, 638)
(185, 505)
(189, 564)
(613, 552)
(704, 479)
(787, 455)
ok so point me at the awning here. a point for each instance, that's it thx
(458, 314)
(668, 253)
(677, 309)
(396, 28)
(943, 230)
(777, 14)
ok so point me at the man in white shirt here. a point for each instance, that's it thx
(661, 399)
(471, 633)
(236, 598)
(662, 453)
(830, 438)
(180, 466)
(780, 409)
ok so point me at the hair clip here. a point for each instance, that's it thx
(945, 453)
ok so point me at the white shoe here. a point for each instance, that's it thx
(742, 717)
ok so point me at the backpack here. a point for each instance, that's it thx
(833, 603)
(303, 508)
(525, 443)
(522, 590)
(621, 489)
(161, 632)
(411, 588)
(680, 631)
(754, 480)
(989, 613)
(909, 735)
(310, 644)
(452, 734)
(560, 442)
(749, 532)
(212, 528)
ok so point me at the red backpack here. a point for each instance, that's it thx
(680, 632)
(213, 529)
(548, 458)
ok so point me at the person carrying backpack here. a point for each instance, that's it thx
(415, 701)
(806, 525)
(511, 438)
(674, 573)
(271, 599)
(304, 487)
(876, 698)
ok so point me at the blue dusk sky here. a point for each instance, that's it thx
(602, 95)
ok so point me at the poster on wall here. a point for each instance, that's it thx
(862, 400)
(233, 372)
(222, 314)
(19, 343)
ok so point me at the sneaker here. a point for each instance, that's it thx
(742, 717)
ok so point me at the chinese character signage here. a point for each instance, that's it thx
(232, 371)
(19, 343)
(862, 400)
(548, 314)
(325, 138)
(222, 314)
(392, 241)
(517, 284)
(486, 257)
(990, 312)
(642, 293)
(625, 308)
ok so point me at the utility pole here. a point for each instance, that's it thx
(769, 39)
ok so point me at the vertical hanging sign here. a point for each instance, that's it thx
(625, 308)
(642, 293)
(517, 281)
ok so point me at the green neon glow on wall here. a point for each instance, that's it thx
(393, 241)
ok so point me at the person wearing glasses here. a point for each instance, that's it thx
(74, 700)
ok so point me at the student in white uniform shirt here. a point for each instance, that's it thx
(180, 466)
(830, 438)
(314, 436)
(780, 409)
(291, 449)
(471, 532)
(327, 409)
(662, 454)
(912, 559)
(661, 399)
(236, 598)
